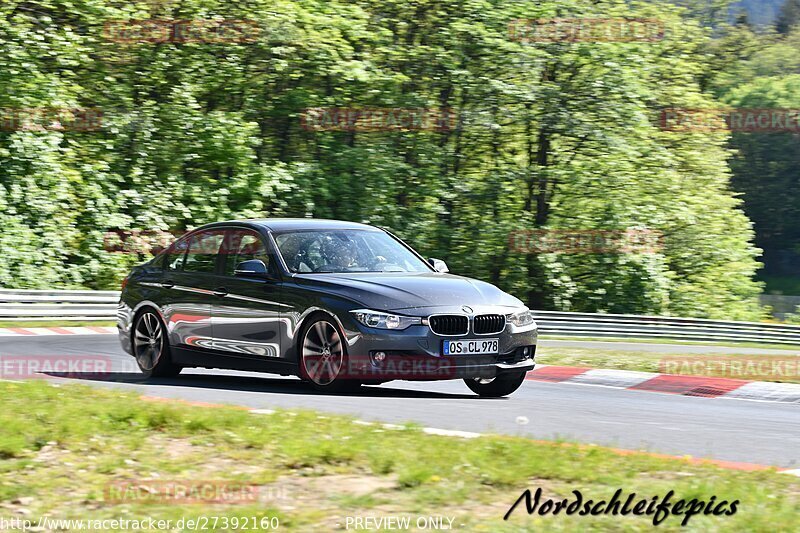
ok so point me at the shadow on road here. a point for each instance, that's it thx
(256, 384)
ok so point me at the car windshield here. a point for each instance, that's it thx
(326, 251)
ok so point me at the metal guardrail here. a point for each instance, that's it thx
(25, 305)
(662, 327)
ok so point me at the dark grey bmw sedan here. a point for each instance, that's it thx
(338, 304)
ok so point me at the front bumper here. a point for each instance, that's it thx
(416, 354)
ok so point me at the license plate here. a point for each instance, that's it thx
(471, 347)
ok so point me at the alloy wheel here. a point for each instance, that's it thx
(148, 341)
(323, 353)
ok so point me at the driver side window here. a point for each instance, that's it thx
(245, 245)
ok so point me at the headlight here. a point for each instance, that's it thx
(377, 319)
(521, 318)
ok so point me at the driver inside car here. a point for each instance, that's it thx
(341, 254)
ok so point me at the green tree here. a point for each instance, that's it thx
(788, 16)
(548, 136)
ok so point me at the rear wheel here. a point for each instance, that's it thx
(323, 356)
(496, 387)
(151, 348)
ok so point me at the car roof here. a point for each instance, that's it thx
(287, 224)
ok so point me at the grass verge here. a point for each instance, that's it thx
(61, 447)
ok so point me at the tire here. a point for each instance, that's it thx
(151, 347)
(497, 387)
(322, 356)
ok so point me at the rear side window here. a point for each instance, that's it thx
(158, 260)
(203, 251)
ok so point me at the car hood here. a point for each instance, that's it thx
(409, 292)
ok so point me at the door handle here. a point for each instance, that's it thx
(167, 284)
(220, 291)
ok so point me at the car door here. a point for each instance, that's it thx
(188, 281)
(247, 319)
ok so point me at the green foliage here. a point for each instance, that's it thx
(793, 318)
(66, 444)
(549, 135)
(763, 72)
(788, 16)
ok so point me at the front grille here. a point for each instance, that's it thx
(449, 324)
(485, 324)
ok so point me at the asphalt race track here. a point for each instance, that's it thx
(731, 430)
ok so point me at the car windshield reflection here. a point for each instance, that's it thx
(340, 251)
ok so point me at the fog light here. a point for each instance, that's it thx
(526, 351)
(379, 357)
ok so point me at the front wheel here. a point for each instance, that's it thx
(151, 348)
(323, 357)
(496, 387)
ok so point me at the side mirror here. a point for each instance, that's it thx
(438, 265)
(254, 268)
